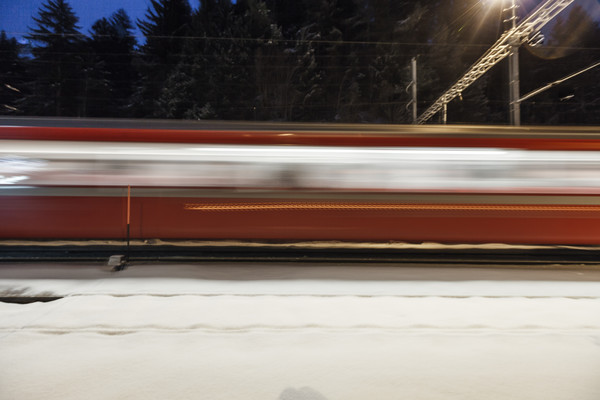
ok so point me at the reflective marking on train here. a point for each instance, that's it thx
(379, 207)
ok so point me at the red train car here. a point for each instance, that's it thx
(99, 179)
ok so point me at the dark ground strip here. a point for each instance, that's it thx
(550, 255)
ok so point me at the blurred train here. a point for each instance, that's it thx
(109, 179)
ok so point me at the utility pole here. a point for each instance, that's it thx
(513, 70)
(413, 86)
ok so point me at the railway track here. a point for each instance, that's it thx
(420, 254)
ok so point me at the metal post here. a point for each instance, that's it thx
(513, 73)
(413, 68)
(444, 113)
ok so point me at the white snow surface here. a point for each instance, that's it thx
(307, 339)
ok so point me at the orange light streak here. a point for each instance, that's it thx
(382, 207)
(128, 204)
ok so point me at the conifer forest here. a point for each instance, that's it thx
(303, 60)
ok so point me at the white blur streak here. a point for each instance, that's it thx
(11, 180)
(311, 167)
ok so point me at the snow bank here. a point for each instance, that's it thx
(118, 315)
(151, 338)
(172, 286)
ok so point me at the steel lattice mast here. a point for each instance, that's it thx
(502, 48)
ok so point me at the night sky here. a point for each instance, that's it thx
(16, 15)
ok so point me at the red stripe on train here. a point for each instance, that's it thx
(305, 138)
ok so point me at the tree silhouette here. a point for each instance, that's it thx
(57, 64)
(166, 26)
(111, 75)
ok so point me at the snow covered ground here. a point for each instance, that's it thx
(300, 333)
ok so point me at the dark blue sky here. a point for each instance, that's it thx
(16, 15)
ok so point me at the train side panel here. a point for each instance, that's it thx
(62, 217)
(252, 219)
(105, 217)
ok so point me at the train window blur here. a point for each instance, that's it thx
(301, 167)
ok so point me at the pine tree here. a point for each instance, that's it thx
(202, 72)
(329, 33)
(219, 71)
(57, 83)
(12, 72)
(111, 74)
(260, 44)
(166, 27)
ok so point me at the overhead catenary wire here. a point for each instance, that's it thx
(557, 82)
(499, 50)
